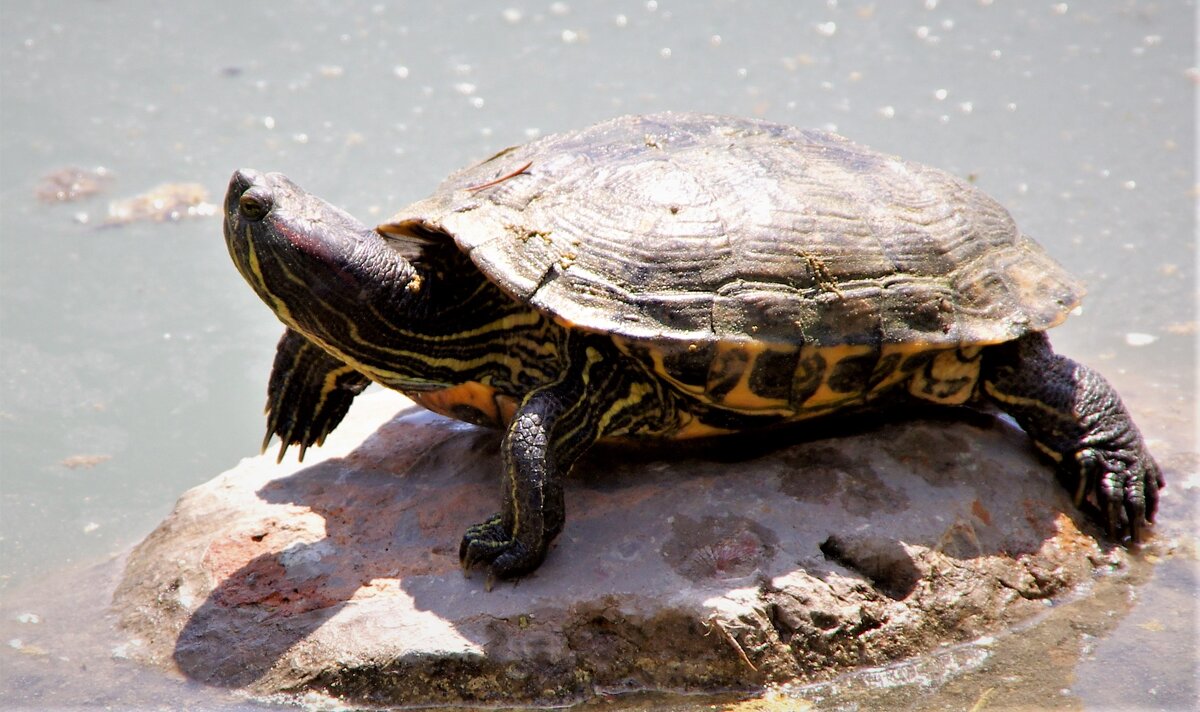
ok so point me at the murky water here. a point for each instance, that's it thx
(133, 359)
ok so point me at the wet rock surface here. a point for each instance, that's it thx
(719, 565)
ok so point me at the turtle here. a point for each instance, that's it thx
(673, 276)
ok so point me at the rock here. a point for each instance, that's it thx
(710, 566)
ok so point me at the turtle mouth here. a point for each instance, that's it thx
(239, 236)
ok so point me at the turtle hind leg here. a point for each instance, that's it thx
(1076, 418)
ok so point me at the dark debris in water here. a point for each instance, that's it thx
(169, 202)
(71, 183)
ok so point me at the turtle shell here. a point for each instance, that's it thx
(698, 229)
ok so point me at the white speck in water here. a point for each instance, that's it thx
(300, 137)
(665, 53)
(652, 5)
(887, 112)
(931, 4)
(622, 20)
(922, 32)
(400, 71)
(948, 23)
(331, 71)
(462, 69)
(827, 29)
(90, 527)
(1136, 338)
(1077, 310)
(966, 107)
(570, 36)
(167, 336)
(995, 54)
(82, 218)
(486, 131)
(986, 3)
(831, 127)
(477, 102)
(512, 15)
(532, 132)
(269, 122)
(32, 618)
(1152, 40)
(742, 72)
(1129, 185)
(1011, 106)
(715, 40)
(1059, 8)
(16, 643)
(559, 8)
(941, 94)
(944, 119)
(1022, 188)
(465, 88)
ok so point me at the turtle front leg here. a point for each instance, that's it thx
(1076, 418)
(309, 393)
(542, 442)
(552, 428)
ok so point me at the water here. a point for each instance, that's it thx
(138, 351)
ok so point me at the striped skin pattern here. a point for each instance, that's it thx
(674, 276)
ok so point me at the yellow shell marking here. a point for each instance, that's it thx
(950, 377)
(497, 408)
(741, 396)
(825, 397)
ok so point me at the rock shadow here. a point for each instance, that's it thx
(346, 523)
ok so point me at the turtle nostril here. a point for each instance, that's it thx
(255, 203)
(242, 180)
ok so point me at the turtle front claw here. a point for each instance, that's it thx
(490, 543)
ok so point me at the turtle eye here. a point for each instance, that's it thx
(254, 204)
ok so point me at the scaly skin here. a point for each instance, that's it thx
(552, 428)
(309, 393)
(1079, 421)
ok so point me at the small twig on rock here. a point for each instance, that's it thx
(983, 700)
(715, 623)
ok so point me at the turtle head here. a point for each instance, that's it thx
(311, 262)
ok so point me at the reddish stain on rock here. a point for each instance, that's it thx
(716, 547)
(248, 568)
(981, 512)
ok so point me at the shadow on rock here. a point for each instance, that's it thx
(337, 531)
